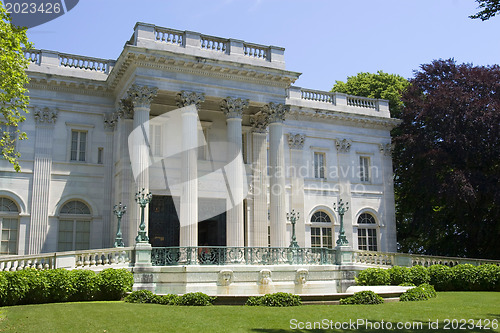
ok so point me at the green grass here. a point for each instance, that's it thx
(123, 317)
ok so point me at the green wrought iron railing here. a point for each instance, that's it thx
(222, 255)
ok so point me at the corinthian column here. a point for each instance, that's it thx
(258, 226)
(276, 114)
(189, 171)
(233, 109)
(45, 119)
(141, 97)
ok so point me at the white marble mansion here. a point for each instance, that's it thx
(303, 150)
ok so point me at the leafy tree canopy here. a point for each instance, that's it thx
(489, 8)
(379, 85)
(447, 161)
(13, 79)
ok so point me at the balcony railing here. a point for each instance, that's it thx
(220, 255)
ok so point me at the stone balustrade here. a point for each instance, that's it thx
(85, 63)
(214, 43)
(33, 56)
(91, 259)
(317, 96)
(374, 258)
(256, 51)
(363, 102)
(170, 36)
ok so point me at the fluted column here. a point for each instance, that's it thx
(189, 168)
(276, 113)
(45, 119)
(297, 164)
(141, 97)
(388, 216)
(233, 109)
(345, 159)
(110, 121)
(258, 225)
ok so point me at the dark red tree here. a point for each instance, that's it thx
(447, 161)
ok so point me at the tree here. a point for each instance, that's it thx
(489, 9)
(13, 78)
(447, 161)
(380, 85)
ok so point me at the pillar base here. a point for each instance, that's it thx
(343, 255)
(142, 255)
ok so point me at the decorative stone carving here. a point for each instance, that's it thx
(45, 115)
(343, 145)
(185, 98)
(348, 275)
(296, 141)
(141, 96)
(225, 277)
(259, 122)
(386, 149)
(125, 109)
(110, 121)
(265, 277)
(233, 107)
(301, 276)
(275, 112)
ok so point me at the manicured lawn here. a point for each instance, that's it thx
(123, 317)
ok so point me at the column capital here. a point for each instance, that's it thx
(259, 122)
(343, 145)
(45, 115)
(125, 109)
(386, 148)
(296, 141)
(275, 111)
(185, 98)
(141, 96)
(110, 121)
(233, 107)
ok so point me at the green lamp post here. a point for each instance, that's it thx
(142, 200)
(293, 219)
(119, 210)
(341, 209)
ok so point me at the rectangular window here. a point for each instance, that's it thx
(321, 237)
(327, 237)
(315, 237)
(78, 146)
(73, 235)
(99, 155)
(367, 239)
(8, 244)
(364, 168)
(203, 144)
(319, 165)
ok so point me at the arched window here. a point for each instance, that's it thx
(321, 230)
(74, 226)
(9, 220)
(367, 232)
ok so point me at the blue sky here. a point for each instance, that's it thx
(326, 40)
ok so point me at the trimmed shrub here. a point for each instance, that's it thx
(17, 288)
(373, 277)
(85, 285)
(465, 277)
(362, 297)
(407, 284)
(489, 277)
(421, 293)
(279, 299)
(38, 286)
(4, 286)
(60, 285)
(169, 299)
(114, 283)
(419, 275)
(254, 301)
(440, 277)
(141, 296)
(196, 299)
(399, 275)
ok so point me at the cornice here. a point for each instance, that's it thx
(358, 119)
(69, 84)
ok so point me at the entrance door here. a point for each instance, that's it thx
(212, 232)
(163, 222)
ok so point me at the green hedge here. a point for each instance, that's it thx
(362, 297)
(30, 286)
(190, 299)
(279, 299)
(462, 277)
(421, 293)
